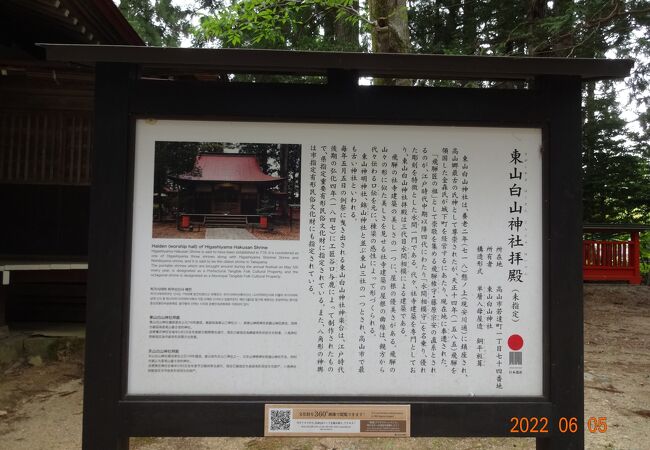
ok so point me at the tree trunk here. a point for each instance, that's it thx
(564, 46)
(284, 163)
(159, 213)
(536, 12)
(390, 33)
(469, 27)
(328, 23)
(346, 33)
(589, 213)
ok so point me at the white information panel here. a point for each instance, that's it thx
(408, 264)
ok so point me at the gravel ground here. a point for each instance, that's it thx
(279, 232)
(41, 407)
(169, 231)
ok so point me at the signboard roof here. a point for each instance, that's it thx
(365, 64)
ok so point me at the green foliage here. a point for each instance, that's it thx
(645, 256)
(581, 28)
(171, 159)
(269, 157)
(158, 22)
(616, 161)
(293, 173)
(178, 158)
(287, 24)
(323, 25)
(616, 173)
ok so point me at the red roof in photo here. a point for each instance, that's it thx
(228, 167)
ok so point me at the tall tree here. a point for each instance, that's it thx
(176, 158)
(616, 174)
(158, 22)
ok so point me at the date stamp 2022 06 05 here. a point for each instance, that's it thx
(565, 424)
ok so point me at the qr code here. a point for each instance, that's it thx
(280, 419)
(516, 358)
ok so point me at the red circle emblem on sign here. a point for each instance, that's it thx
(515, 342)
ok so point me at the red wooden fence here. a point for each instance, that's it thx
(612, 260)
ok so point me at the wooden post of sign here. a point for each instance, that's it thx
(107, 249)
(562, 102)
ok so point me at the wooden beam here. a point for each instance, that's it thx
(364, 64)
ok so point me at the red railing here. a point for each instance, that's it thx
(607, 254)
(612, 260)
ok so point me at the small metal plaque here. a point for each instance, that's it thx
(337, 420)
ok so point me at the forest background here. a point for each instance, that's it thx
(616, 119)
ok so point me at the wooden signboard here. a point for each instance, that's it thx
(430, 285)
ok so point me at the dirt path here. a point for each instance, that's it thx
(617, 365)
(40, 407)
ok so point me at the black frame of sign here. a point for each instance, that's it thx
(552, 103)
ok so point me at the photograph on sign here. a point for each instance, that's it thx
(220, 190)
(336, 259)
